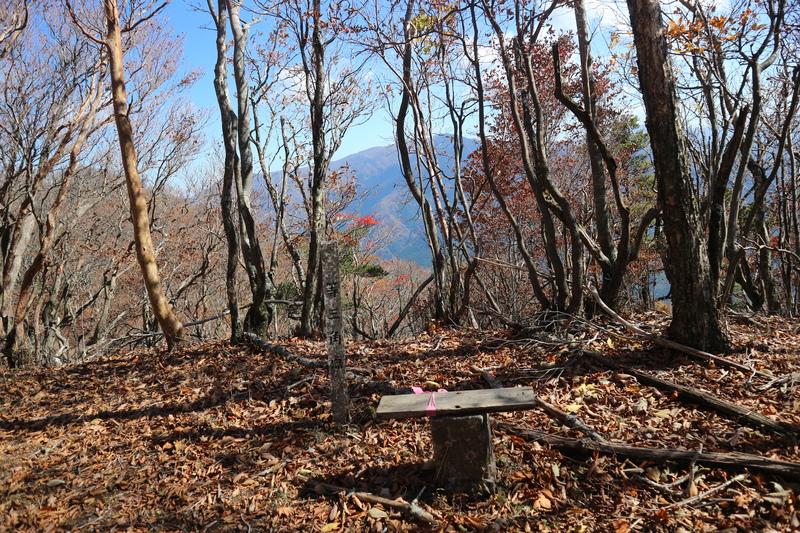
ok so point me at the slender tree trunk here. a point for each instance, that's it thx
(229, 132)
(615, 260)
(533, 276)
(258, 318)
(145, 254)
(527, 115)
(316, 83)
(108, 288)
(766, 286)
(47, 239)
(279, 201)
(21, 232)
(428, 220)
(696, 321)
(793, 229)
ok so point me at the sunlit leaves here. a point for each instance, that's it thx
(698, 32)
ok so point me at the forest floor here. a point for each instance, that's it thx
(218, 438)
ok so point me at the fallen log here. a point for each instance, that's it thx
(735, 460)
(643, 335)
(411, 509)
(380, 386)
(752, 418)
(286, 354)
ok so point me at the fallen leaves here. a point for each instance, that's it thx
(543, 501)
(210, 437)
(377, 513)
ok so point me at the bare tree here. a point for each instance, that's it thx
(231, 165)
(13, 20)
(421, 47)
(258, 317)
(328, 85)
(51, 117)
(145, 253)
(613, 255)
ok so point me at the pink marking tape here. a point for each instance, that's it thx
(430, 409)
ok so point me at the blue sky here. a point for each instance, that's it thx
(199, 51)
(198, 48)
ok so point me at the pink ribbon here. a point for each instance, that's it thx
(430, 409)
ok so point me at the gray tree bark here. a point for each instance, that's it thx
(258, 317)
(696, 320)
(316, 88)
(229, 133)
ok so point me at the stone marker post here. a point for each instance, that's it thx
(337, 364)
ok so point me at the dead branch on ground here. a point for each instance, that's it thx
(568, 419)
(352, 373)
(286, 354)
(671, 344)
(752, 418)
(736, 460)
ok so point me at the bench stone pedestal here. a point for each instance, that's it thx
(460, 431)
(462, 452)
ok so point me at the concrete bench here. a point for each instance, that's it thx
(460, 430)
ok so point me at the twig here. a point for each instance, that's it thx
(438, 343)
(411, 509)
(96, 520)
(668, 487)
(691, 487)
(195, 504)
(657, 486)
(715, 501)
(780, 381)
(273, 468)
(241, 517)
(699, 497)
(289, 387)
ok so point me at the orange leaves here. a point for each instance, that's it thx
(475, 522)
(284, 511)
(719, 22)
(521, 476)
(708, 32)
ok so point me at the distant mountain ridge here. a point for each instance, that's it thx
(378, 171)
